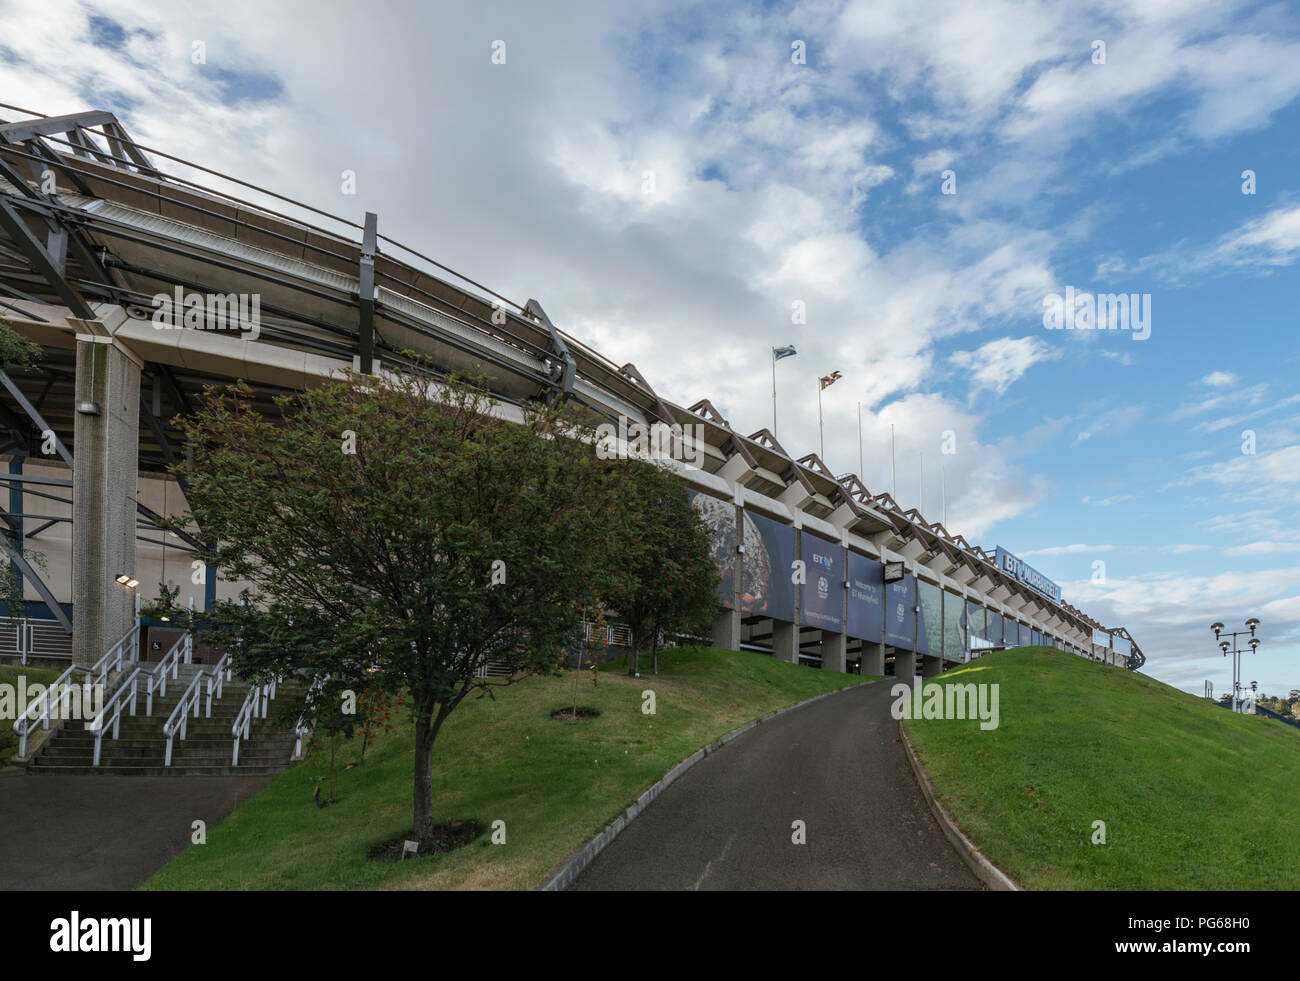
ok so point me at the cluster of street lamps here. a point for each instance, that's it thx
(1236, 652)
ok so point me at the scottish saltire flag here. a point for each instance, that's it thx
(829, 380)
(784, 352)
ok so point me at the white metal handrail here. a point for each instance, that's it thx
(127, 692)
(258, 698)
(214, 676)
(302, 727)
(124, 697)
(40, 711)
(181, 651)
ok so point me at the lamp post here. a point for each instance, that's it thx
(1236, 652)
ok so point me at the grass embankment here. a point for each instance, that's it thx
(9, 675)
(1192, 796)
(554, 784)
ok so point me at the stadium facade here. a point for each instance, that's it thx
(813, 567)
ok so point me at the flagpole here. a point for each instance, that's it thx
(859, 440)
(773, 392)
(821, 428)
(893, 467)
(943, 484)
(921, 486)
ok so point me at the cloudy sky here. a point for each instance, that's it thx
(896, 188)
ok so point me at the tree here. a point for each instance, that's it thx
(402, 524)
(662, 578)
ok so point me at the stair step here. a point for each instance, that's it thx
(140, 746)
(160, 771)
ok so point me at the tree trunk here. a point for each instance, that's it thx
(423, 816)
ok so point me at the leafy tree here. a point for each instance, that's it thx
(402, 524)
(166, 606)
(662, 577)
(14, 351)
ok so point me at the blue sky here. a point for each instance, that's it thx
(669, 182)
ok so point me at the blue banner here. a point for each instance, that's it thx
(866, 589)
(766, 587)
(900, 613)
(720, 518)
(823, 590)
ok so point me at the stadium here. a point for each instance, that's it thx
(813, 567)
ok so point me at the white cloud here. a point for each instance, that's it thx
(997, 364)
(1219, 379)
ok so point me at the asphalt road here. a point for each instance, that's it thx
(102, 831)
(838, 766)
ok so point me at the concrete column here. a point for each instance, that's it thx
(905, 665)
(726, 630)
(104, 485)
(833, 652)
(873, 658)
(931, 666)
(785, 642)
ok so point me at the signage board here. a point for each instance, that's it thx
(866, 589)
(823, 588)
(900, 613)
(1035, 580)
(720, 518)
(767, 587)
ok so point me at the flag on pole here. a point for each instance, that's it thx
(784, 352)
(829, 380)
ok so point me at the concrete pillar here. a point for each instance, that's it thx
(931, 666)
(905, 665)
(726, 630)
(104, 485)
(833, 652)
(785, 642)
(873, 658)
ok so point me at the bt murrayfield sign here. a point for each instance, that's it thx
(1031, 577)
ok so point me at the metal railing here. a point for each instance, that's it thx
(178, 722)
(34, 637)
(124, 698)
(302, 728)
(181, 652)
(41, 711)
(257, 698)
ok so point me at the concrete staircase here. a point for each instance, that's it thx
(206, 749)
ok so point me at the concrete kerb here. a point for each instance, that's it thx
(568, 870)
(988, 873)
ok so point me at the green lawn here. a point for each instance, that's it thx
(1193, 797)
(554, 784)
(9, 675)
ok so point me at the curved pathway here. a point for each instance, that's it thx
(838, 766)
